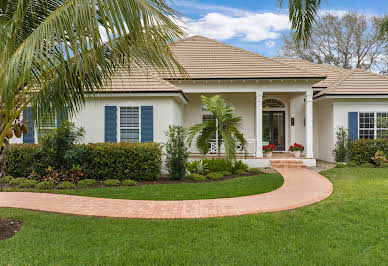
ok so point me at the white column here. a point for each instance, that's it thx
(309, 124)
(259, 123)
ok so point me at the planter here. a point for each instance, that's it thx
(268, 154)
(297, 154)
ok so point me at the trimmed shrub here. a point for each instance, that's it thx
(6, 179)
(17, 181)
(239, 165)
(352, 164)
(240, 172)
(86, 183)
(196, 177)
(341, 148)
(129, 182)
(45, 185)
(65, 185)
(226, 173)
(112, 183)
(362, 150)
(384, 165)
(367, 165)
(341, 165)
(215, 175)
(28, 184)
(254, 171)
(176, 152)
(138, 161)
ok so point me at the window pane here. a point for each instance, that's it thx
(129, 135)
(367, 120)
(382, 133)
(367, 134)
(382, 120)
(129, 117)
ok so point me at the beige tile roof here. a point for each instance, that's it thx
(138, 80)
(358, 81)
(332, 73)
(204, 58)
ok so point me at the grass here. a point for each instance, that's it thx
(240, 186)
(349, 228)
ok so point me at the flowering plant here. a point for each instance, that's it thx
(296, 147)
(269, 148)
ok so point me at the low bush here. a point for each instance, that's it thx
(6, 179)
(352, 164)
(240, 172)
(341, 165)
(362, 150)
(215, 175)
(45, 185)
(379, 158)
(176, 152)
(196, 177)
(17, 181)
(129, 182)
(239, 165)
(112, 183)
(65, 185)
(28, 184)
(254, 171)
(226, 173)
(384, 165)
(22, 159)
(86, 183)
(367, 165)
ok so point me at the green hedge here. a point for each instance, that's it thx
(362, 150)
(137, 161)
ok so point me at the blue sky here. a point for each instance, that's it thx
(256, 25)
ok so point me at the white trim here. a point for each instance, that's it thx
(142, 94)
(351, 97)
(118, 127)
(375, 123)
(239, 90)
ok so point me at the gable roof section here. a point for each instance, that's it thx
(138, 79)
(358, 82)
(332, 73)
(204, 58)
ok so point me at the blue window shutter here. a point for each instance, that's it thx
(353, 125)
(28, 119)
(110, 124)
(147, 124)
(62, 116)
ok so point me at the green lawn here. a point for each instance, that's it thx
(240, 186)
(349, 228)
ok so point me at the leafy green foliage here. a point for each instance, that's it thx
(6, 179)
(240, 172)
(362, 150)
(176, 152)
(352, 164)
(128, 182)
(379, 158)
(45, 185)
(65, 185)
(215, 175)
(86, 183)
(341, 165)
(226, 173)
(341, 147)
(239, 165)
(196, 177)
(112, 183)
(17, 181)
(22, 159)
(226, 123)
(367, 165)
(254, 171)
(28, 184)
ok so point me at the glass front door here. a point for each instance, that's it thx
(274, 129)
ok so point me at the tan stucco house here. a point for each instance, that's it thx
(281, 100)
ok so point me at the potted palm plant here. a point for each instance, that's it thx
(296, 149)
(268, 149)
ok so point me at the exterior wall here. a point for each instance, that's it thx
(166, 112)
(325, 136)
(298, 112)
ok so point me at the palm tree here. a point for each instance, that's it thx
(303, 13)
(226, 124)
(56, 53)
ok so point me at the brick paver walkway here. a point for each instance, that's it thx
(301, 187)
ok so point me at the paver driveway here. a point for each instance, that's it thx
(301, 187)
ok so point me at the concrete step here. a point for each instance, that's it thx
(288, 164)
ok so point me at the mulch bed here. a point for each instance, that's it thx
(9, 227)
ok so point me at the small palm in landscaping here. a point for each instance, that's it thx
(226, 124)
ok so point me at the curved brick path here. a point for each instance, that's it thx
(301, 187)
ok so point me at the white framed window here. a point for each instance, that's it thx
(372, 125)
(129, 124)
(45, 128)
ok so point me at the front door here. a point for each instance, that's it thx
(274, 129)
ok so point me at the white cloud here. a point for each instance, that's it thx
(269, 43)
(195, 7)
(251, 27)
